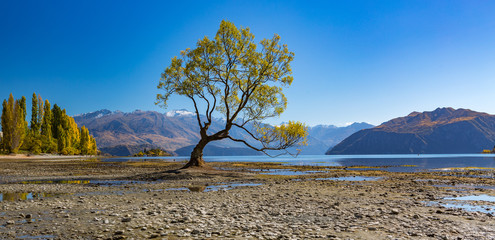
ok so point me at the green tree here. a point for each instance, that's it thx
(9, 127)
(84, 141)
(22, 105)
(41, 112)
(33, 139)
(35, 125)
(93, 149)
(56, 120)
(68, 135)
(61, 140)
(48, 145)
(6, 117)
(228, 75)
(20, 125)
(27, 138)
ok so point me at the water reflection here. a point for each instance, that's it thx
(286, 172)
(466, 207)
(24, 196)
(81, 182)
(352, 178)
(37, 237)
(484, 197)
(212, 188)
(464, 203)
(55, 182)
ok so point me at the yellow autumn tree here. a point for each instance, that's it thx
(14, 124)
(230, 75)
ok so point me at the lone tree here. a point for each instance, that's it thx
(229, 75)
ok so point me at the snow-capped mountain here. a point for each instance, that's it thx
(120, 133)
(96, 114)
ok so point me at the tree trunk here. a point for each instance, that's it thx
(196, 159)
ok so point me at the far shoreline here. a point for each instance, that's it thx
(46, 157)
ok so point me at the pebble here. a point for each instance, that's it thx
(281, 210)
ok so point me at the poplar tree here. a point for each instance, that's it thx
(46, 130)
(87, 142)
(56, 120)
(5, 126)
(33, 138)
(61, 140)
(13, 124)
(73, 135)
(22, 105)
(9, 124)
(51, 130)
(93, 149)
(20, 125)
(84, 143)
(27, 138)
(68, 135)
(35, 125)
(40, 112)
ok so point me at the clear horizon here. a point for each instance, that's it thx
(360, 61)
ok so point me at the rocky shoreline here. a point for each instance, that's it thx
(142, 200)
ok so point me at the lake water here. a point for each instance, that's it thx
(388, 162)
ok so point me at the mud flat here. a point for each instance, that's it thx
(141, 200)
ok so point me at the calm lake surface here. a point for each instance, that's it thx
(388, 162)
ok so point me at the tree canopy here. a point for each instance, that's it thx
(51, 130)
(239, 79)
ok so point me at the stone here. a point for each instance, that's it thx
(394, 211)
(154, 235)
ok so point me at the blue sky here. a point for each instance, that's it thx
(354, 60)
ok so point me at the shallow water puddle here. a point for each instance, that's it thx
(37, 237)
(352, 178)
(286, 172)
(462, 203)
(486, 198)
(213, 188)
(427, 180)
(24, 196)
(87, 182)
(469, 207)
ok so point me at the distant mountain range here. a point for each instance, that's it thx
(122, 134)
(444, 130)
